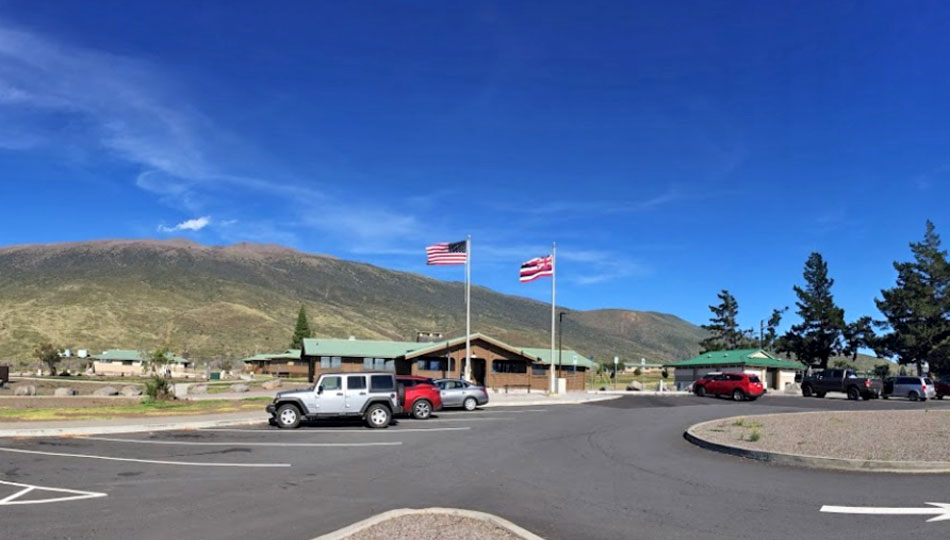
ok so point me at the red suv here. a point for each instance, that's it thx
(422, 396)
(740, 386)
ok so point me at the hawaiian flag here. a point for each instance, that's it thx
(537, 267)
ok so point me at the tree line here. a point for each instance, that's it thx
(914, 327)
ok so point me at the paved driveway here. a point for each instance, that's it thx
(617, 469)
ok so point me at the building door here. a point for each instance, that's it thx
(478, 371)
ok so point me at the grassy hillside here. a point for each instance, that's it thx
(228, 302)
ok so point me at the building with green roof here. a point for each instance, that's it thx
(285, 363)
(494, 363)
(775, 372)
(131, 363)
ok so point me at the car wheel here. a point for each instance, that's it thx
(913, 396)
(853, 394)
(288, 416)
(885, 396)
(819, 394)
(701, 391)
(470, 403)
(806, 390)
(421, 409)
(378, 416)
(737, 395)
(939, 396)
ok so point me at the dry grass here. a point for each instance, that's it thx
(145, 408)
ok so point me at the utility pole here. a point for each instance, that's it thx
(761, 333)
(560, 334)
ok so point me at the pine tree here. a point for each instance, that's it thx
(770, 339)
(818, 336)
(723, 325)
(858, 334)
(302, 331)
(917, 309)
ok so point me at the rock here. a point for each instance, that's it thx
(65, 391)
(198, 389)
(240, 388)
(131, 391)
(634, 386)
(272, 385)
(26, 390)
(106, 391)
(793, 389)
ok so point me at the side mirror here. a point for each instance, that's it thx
(320, 389)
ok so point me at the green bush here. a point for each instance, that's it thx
(638, 372)
(158, 388)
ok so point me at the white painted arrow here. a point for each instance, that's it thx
(940, 511)
(67, 494)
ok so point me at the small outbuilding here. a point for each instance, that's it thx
(279, 364)
(774, 372)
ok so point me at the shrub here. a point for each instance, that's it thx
(638, 372)
(755, 435)
(158, 388)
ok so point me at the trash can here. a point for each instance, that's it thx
(215, 376)
(561, 385)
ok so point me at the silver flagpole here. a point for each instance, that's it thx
(553, 309)
(468, 308)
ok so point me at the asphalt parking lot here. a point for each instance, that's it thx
(615, 469)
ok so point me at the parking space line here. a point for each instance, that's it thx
(319, 431)
(491, 411)
(439, 419)
(218, 443)
(73, 495)
(151, 461)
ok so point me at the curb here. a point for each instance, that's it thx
(814, 462)
(550, 401)
(499, 522)
(128, 428)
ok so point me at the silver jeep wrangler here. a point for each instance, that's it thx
(373, 396)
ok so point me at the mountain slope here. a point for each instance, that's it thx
(227, 302)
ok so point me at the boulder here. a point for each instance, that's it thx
(65, 391)
(131, 391)
(272, 385)
(240, 388)
(634, 386)
(106, 391)
(198, 389)
(25, 390)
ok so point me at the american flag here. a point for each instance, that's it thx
(446, 253)
(537, 267)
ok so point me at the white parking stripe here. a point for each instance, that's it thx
(218, 443)
(73, 495)
(152, 461)
(320, 431)
(490, 411)
(494, 418)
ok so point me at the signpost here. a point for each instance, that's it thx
(616, 361)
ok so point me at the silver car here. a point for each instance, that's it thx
(913, 388)
(459, 393)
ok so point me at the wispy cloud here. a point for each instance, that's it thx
(576, 209)
(195, 225)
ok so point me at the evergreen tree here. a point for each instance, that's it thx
(818, 336)
(858, 334)
(770, 339)
(302, 331)
(917, 309)
(724, 330)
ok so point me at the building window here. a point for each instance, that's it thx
(379, 363)
(508, 366)
(430, 364)
(330, 362)
(390, 365)
(537, 369)
(367, 363)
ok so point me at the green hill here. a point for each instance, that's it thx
(227, 302)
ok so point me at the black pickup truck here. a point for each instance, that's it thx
(841, 380)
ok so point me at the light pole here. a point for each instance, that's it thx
(560, 333)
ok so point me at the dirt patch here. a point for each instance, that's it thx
(433, 527)
(21, 403)
(46, 387)
(863, 435)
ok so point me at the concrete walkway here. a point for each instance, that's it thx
(166, 423)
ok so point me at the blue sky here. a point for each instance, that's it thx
(670, 150)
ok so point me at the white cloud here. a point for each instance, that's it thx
(195, 224)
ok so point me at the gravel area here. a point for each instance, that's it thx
(865, 435)
(433, 527)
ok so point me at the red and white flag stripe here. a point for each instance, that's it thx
(536, 268)
(446, 253)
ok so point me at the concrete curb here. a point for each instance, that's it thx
(813, 462)
(548, 401)
(79, 431)
(499, 522)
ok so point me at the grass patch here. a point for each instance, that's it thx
(146, 408)
(739, 422)
(755, 435)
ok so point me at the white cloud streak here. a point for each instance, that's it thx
(194, 225)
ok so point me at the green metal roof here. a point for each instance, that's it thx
(289, 354)
(359, 348)
(746, 357)
(120, 355)
(567, 356)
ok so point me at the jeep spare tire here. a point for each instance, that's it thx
(378, 416)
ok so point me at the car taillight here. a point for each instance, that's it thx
(924, 388)
(867, 383)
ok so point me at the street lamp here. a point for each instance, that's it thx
(560, 333)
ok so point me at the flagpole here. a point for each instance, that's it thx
(468, 308)
(553, 309)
